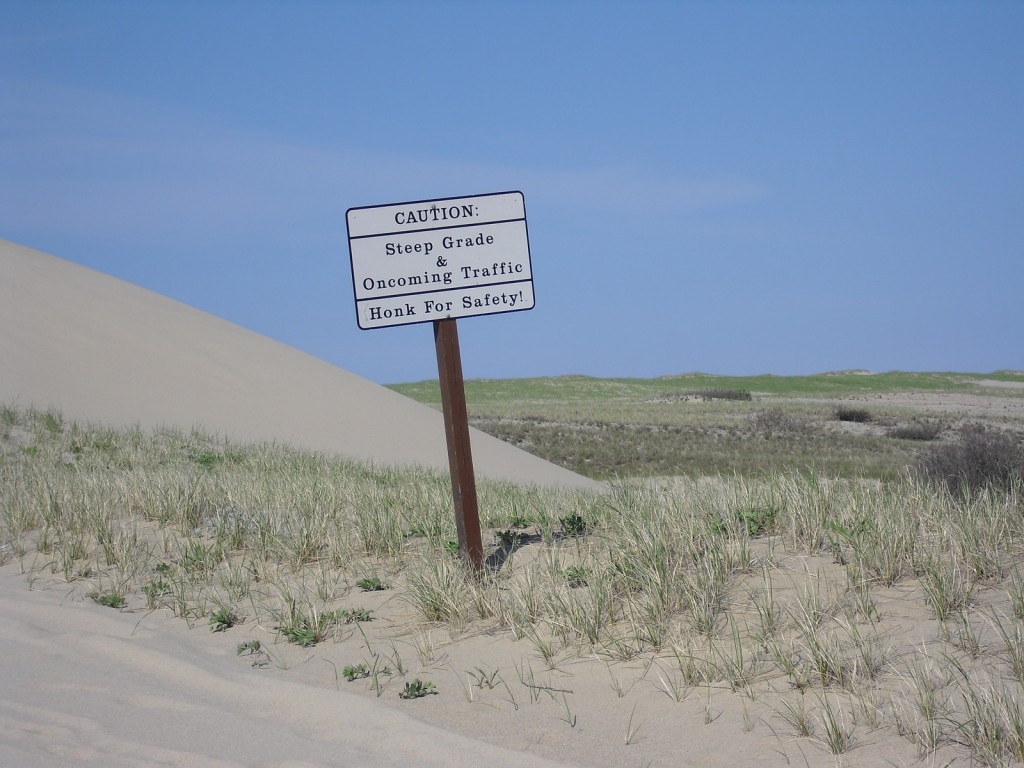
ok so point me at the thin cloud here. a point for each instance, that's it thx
(93, 163)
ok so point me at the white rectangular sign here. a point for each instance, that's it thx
(437, 259)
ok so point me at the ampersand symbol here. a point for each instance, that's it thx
(441, 261)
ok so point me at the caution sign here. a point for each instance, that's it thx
(430, 260)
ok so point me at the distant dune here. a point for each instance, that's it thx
(103, 350)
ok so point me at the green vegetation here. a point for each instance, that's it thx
(307, 628)
(698, 425)
(582, 389)
(223, 618)
(109, 599)
(835, 597)
(371, 584)
(416, 689)
(356, 672)
(917, 429)
(979, 459)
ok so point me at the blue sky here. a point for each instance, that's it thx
(731, 187)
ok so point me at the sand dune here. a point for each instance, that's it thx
(104, 350)
(87, 686)
(84, 685)
(92, 687)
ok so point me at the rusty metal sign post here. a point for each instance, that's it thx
(435, 261)
(456, 428)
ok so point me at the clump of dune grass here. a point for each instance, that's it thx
(740, 584)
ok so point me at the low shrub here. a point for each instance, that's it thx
(980, 457)
(917, 430)
(718, 393)
(857, 415)
(776, 420)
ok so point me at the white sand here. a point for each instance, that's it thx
(106, 351)
(83, 685)
(86, 686)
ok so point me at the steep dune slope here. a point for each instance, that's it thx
(107, 351)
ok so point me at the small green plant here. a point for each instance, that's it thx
(573, 525)
(254, 648)
(302, 635)
(852, 535)
(417, 689)
(758, 520)
(576, 576)
(357, 672)
(248, 648)
(110, 599)
(371, 584)
(798, 717)
(510, 538)
(947, 587)
(154, 590)
(484, 679)
(8, 416)
(306, 631)
(353, 615)
(52, 421)
(836, 734)
(768, 613)
(222, 619)
(207, 459)
(964, 635)
(199, 558)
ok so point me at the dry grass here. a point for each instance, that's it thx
(613, 428)
(831, 608)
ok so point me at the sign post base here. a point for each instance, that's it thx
(456, 428)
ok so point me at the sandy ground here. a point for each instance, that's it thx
(88, 687)
(85, 685)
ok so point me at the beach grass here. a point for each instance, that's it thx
(831, 606)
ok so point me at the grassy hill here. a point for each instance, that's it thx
(847, 424)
